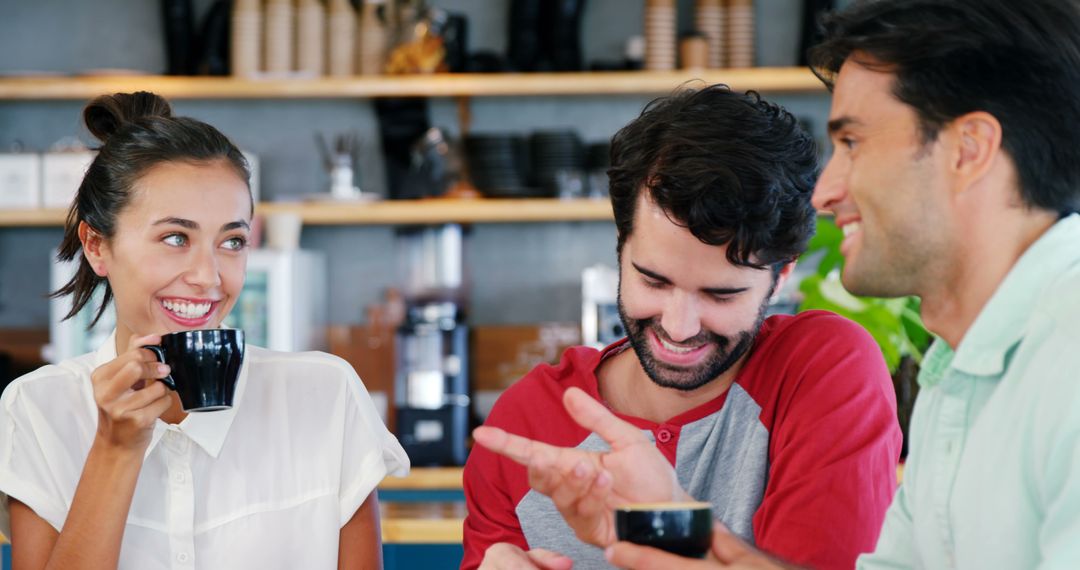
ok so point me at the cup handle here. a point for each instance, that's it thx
(160, 354)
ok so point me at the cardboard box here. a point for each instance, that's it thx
(20, 181)
(502, 354)
(371, 350)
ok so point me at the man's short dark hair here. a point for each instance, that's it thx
(1018, 60)
(730, 167)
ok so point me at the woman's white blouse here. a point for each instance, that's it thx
(267, 484)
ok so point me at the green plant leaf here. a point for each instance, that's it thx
(827, 238)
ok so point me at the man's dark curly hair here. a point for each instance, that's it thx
(1018, 60)
(730, 167)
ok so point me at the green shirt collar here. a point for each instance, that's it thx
(1003, 321)
(935, 363)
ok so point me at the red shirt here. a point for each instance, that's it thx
(799, 456)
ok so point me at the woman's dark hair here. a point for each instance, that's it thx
(1017, 60)
(137, 132)
(730, 167)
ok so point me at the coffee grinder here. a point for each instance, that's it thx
(431, 387)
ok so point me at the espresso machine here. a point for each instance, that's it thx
(431, 385)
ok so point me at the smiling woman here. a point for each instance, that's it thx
(177, 257)
(101, 465)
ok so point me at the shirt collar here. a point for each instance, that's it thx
(207, 429)
(1002, 322)
(935, 363)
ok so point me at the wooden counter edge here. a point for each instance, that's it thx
(422, 531)
(424, 478)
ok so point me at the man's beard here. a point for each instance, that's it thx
(726, 352)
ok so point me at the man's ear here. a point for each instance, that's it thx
(978, 144)
(93, 244)
(782, 277)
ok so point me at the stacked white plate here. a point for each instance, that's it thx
(740, 33)
(709, 21)
(660, 35)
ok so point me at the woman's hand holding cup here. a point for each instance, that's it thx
(129, 398)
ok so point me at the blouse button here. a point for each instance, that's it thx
(182, 557)
(663, 436)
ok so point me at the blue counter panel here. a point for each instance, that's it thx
(422, 556)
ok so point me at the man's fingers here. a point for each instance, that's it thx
(574, 485)
(549, 560)
(599, 496)
(727, 547)
(506, 556)
(628, 555)
(521, 449)
(593, 416)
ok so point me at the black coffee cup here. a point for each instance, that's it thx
(205, 366)
(680, 528)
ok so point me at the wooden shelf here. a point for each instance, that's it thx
(435, 211)
(28, 218)
(396, 212)
(392, 212)
(765, 79)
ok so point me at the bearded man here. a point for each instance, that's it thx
(786, 425)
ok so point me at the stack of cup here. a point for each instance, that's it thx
(660, 35)
(279, 36)
(246, 38)
(373, 39)
(709, 21)
(740, 33)
(283, 231)
(341, 44)
(310, 37)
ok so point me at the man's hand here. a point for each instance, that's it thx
(727, 552)
(585, 486)
(506, 556)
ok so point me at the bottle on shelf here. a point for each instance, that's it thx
(247, 29)
(311, 37)
(341, 40)
(278, 43)
(373, 39)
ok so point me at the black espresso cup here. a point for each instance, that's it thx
(680, 528)
(205, 366)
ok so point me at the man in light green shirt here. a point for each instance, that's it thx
(955, 177)
(993, 478)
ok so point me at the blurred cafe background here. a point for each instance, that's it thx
(430, 178)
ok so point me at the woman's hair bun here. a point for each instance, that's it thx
(109, 113)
